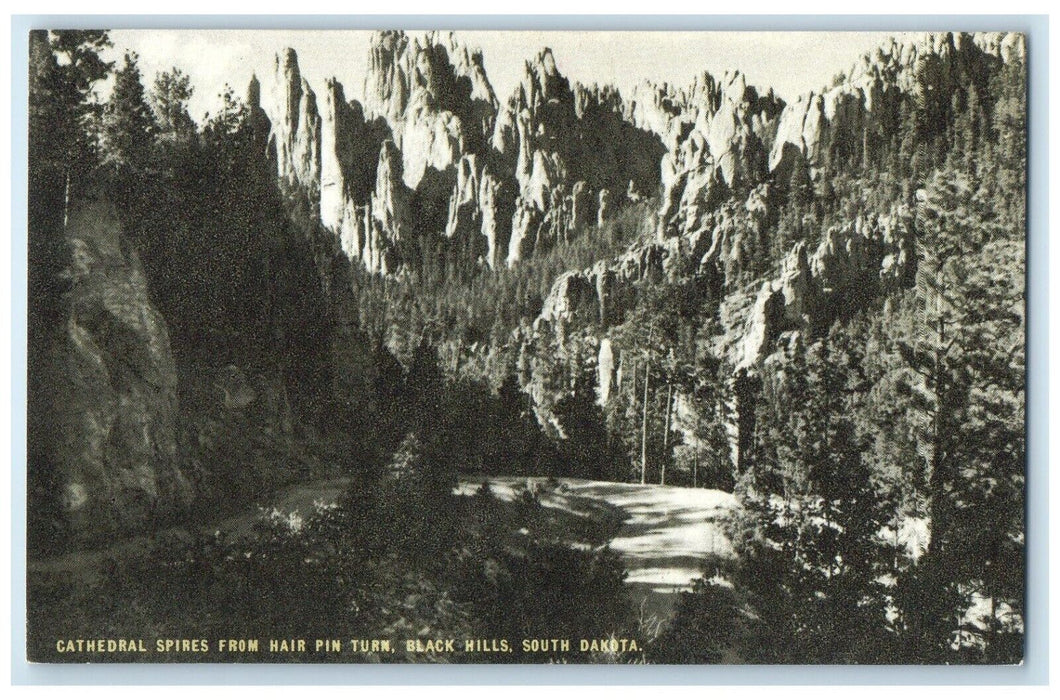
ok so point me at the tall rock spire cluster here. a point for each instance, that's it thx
(728, 149)
(296, 126)
(432, 152)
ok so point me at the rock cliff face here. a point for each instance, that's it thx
(721, 144)
(349, 146)
(501, 182)
(412, 82)
(435, 97)
(114, 383)
(569, 145)
(390, 216)
(730, 148)
(295, 126)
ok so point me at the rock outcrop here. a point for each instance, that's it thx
(113, 383)
(411, 81)
(724, 147)
(349, 148)
(853, 118)
(500, 183)
(388, 216)
(496, 202)
(295, 138)
(434, 95)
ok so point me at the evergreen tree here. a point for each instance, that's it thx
(586, 450)
(169, 99)
(512, 438)
(128, 123)
(811, 553)
(963, 339)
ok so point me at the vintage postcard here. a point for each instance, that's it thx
(526, 347)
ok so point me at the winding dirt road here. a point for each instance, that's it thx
(663, 533)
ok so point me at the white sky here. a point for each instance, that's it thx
(790, 62)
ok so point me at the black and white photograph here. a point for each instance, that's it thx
(526, 347)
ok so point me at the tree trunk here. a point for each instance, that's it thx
(695, 468)
(938, 478)
(66, 202)
(666, 432)
(644, 428)
(896, 543)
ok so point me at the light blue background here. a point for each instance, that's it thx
(1035, 667)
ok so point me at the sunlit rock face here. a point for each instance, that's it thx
(496, 200)
(860, 110)
(720, 142)
(349, 147)
(434, 94)
(389, 216)
(606, 370)
(292, 109)
(853, 264)
(566, 144)
(531, 140)
(661, 109)
(435, 98)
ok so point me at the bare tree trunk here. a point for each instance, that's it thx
(666, 431)
(937, 479)
(66, 202)
(644, 428)
(896, 542)
(695, 468)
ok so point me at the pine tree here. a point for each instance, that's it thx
(585, 449)
(810, 549)
(128, 123)
(961, 335)
(169, 99)
(512, 434)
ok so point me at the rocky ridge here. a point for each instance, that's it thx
(500, 181)
(724, 137)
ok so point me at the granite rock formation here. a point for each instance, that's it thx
(503, 181)
(111, 373)
(730, 152)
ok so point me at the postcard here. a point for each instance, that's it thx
(526, 347)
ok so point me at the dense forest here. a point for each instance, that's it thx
(874, 439)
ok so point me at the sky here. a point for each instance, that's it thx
(792, 63)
